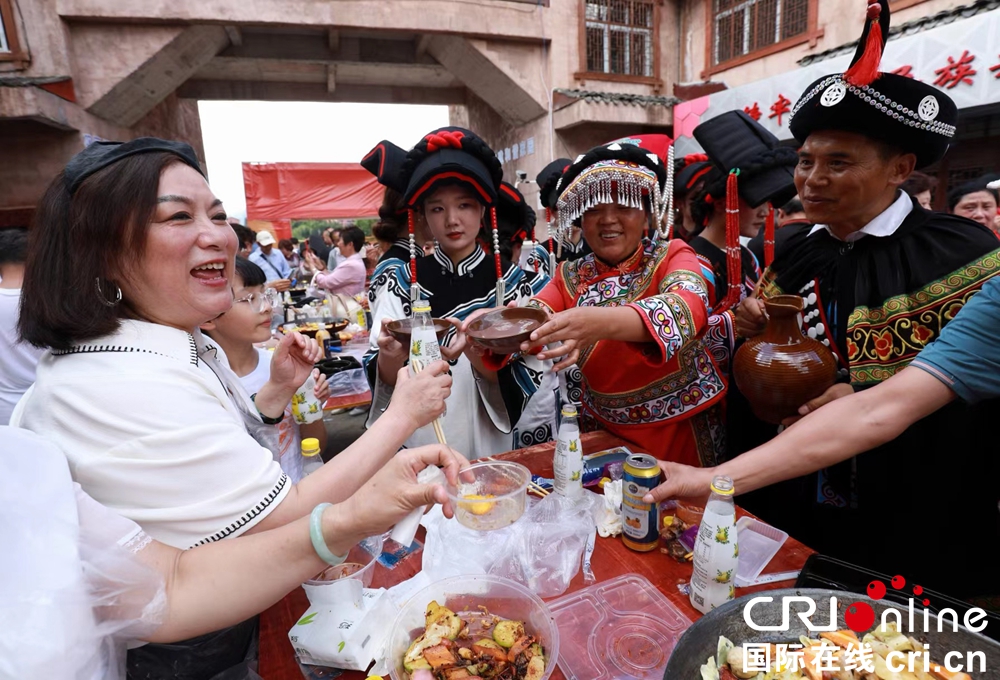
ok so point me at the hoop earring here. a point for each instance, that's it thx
(104, 298)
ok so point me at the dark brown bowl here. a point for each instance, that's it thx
(503, 330)
(401, 328)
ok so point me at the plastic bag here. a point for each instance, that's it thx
(346, 383)
(70, 594)
(542, 550)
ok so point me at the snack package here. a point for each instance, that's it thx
(342, 636)
(609, 514)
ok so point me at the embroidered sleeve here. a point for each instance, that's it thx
(720, 338)
(679, 313)
(538, 260)
(708, 274)
(553, 296)
(392, 302)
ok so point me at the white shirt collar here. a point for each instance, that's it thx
(885, 223)
(142, 336)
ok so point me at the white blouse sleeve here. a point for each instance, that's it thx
(159, 448)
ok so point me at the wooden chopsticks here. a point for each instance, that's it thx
(417, 367)
(541, 491)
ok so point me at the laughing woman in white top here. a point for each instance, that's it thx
(129, 254)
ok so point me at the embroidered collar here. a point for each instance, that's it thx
(401, 243)
(465, 266)
(142, 336)
(631, 263)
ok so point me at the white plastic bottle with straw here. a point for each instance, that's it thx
(406, 530)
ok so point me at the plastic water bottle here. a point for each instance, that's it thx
(423, 340)
(716, 552)
(311, 458)
(424, 345)
(567, 465)
(305, 406)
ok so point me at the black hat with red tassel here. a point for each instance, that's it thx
(912, 116)
(453, 156)
(749, 163)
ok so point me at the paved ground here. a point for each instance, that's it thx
(342, 430)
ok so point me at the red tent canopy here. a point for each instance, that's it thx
(283, 191)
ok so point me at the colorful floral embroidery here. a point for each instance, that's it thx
(852, 349)
(690, 388)
(669, 321)
(883, 344)
(883, 340)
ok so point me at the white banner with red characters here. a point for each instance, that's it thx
(962, 58)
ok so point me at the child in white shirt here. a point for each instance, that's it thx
(236, 331)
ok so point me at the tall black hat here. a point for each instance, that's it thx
(547, 180)
(447, 156)
(515, 218)
(906, 113)
(385, 161)
(735, 141)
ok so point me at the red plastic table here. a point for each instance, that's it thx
(610, 559)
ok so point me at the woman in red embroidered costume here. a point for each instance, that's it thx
(631, 313)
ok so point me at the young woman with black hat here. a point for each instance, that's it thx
(747, 169)
(452, 177)
(689, 179)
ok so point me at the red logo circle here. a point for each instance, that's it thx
(876, 590)
(859, 617)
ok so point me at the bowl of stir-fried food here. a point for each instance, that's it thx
(474, 628)
(722, 646)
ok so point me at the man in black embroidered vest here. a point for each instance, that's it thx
(880, 276)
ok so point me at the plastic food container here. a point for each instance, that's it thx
(759, 543)
(622, 628)
(359, 565)
(464, 595)
(495, 498)
(689, 514)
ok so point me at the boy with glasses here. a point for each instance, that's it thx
(236, 332)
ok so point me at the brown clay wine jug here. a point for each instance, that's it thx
(781, 369)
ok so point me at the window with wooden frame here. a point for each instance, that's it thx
(747, 29)
(619, 40)
(10, 48)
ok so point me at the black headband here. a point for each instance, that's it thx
(100, 155)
